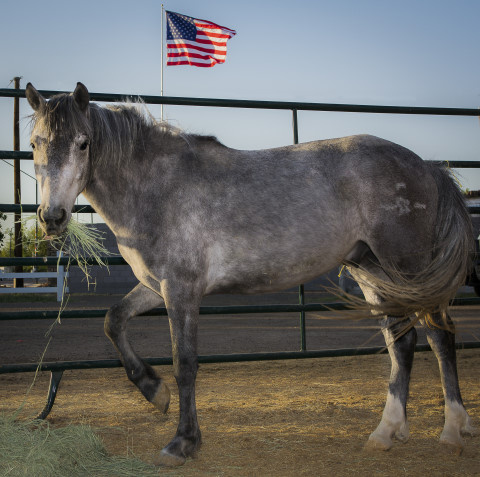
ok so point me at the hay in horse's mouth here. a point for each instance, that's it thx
(84, 243)
(80, 243)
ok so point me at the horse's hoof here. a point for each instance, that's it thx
(453, 448)
(176, 453)
(451, 441)
(378, 443)
(169, 460)
(161, 400)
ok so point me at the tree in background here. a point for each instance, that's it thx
(32, 244)
(3, 217)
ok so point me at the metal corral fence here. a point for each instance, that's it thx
(57, 368)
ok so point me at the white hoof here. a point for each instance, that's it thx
(393, 424)
(451, 446)
(378, 443)
(169, 460)
(457, 423)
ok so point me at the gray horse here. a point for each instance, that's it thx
(193, 217)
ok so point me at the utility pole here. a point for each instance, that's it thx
(18, 252)
(162, 36)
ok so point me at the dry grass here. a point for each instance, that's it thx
(34, 448)
(302, 417)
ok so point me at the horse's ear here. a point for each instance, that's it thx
(35, 99)
(81, 96)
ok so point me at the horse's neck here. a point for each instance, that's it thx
(106, 192)
(118, 188)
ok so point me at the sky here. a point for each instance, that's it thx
(383, 52)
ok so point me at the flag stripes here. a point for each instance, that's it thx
(195, 42)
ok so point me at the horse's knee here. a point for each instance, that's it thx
(112, 325)
(185, 369)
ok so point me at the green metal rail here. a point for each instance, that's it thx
(205, 310)
(220, 358)
(254, 104)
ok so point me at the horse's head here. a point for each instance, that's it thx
(60, 139)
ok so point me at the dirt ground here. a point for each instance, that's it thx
(272, 418)
(283, 418)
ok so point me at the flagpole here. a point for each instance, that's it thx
(161, 69)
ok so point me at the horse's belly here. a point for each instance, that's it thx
(251, 276)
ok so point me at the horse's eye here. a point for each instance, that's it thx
(32, 145)
(83, 146)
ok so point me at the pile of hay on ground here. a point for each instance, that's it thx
(34, 448)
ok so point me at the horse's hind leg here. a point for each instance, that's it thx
(139, 300)
(457, 422)
(400, 338)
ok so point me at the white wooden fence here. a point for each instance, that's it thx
(61, 276)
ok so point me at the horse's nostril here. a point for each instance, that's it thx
(62, 218)
(40, 214)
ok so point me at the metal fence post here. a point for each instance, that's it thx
(301, 288)
(18, 250)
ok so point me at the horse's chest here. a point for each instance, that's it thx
(138, 263)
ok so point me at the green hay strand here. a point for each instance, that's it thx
(81, 242)
(34, 448)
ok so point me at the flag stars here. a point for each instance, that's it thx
(180, 27)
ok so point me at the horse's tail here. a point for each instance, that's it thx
(454, 244)
(431, 289)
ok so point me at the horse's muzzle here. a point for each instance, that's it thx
(53, 220)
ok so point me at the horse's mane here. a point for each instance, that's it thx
(117, 131)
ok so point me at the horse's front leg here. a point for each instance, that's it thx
(183, 313)
(401, 342)
(139, 300)
(457, 421)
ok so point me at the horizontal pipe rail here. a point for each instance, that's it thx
(254, 104)
(42, 261)
(162, 311)
(204, 310)
(219, 358)
(32, 208)
(16, 155)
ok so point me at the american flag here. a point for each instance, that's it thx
(195, 42)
